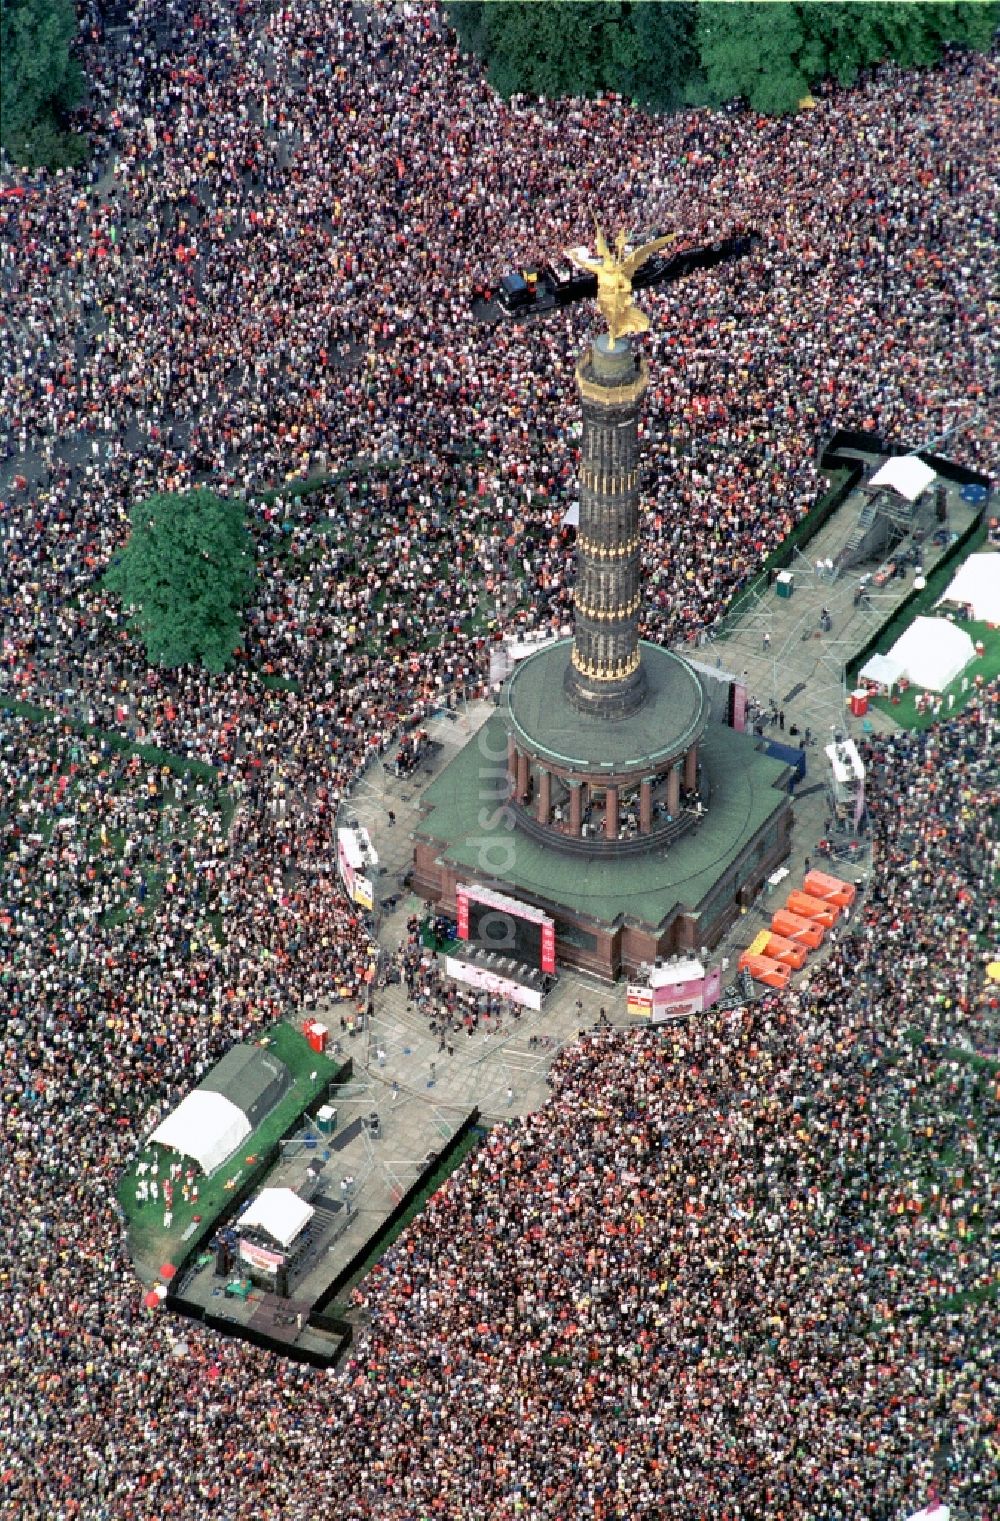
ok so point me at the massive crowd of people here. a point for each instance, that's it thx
(706, 1278)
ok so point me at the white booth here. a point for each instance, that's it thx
(356, 857)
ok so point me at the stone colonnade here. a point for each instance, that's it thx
(531, 785)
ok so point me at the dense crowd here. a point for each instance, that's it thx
(267, 276)
(451, 1009)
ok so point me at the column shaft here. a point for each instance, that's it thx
(645, 805)
(673, 791)
(611, 813)
(544, 796)
(691, 768)
(575, 808)
(523, 776)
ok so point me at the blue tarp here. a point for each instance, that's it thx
(790, 754)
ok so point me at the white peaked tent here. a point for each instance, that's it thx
(278, 1211)
(205, 1126)
(882, 669)
(906, 474)
(932, 652)
(936, 1512)
(978, 583)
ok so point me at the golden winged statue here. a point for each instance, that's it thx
(614, 280)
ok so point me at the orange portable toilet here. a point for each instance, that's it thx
(820, 884)
(780, 949)
(807, 907)
(762, 969)
(803, 931)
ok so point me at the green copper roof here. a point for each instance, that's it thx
(463, 815)
(550, 726)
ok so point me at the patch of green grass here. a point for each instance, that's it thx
(311, 1073)
(904, 709)
(957, 1302)
(24, 709)
(971, 1059)
(151, 754)
(280, 684)
(214, 922)
(71, 743)
(356, 469)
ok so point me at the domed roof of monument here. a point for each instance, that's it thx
(547, 724)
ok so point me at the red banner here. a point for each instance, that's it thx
(548, 947)
(463, 915)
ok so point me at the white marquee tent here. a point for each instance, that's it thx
(205, 1126)
(978, 583)
(932, 653)
(881, 668)
(278, 1211)
(905, 474)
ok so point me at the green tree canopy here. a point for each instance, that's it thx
(663, 53)
(565, 47)
(39, 82)
(187, 570)
(772, 55)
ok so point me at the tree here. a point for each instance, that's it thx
(562, 47)
(755, 51)
(187, 570)
(772, 55)
(664, 54)
(40, 82)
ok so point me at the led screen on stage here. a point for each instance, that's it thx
(497, 929)
(493, 921)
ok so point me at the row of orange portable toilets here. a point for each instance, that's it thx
(797, 929)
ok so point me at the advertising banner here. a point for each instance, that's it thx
(492, 982)
(639, 1000)
(462, 900)
(503, 901)
(347, 871)
(677, 998)
(259, 1257)
(739, 706)
(713, 987)
(548, 947)
(354, 853)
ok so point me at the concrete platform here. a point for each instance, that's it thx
(777, 642)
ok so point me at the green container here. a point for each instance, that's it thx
(784, 583)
